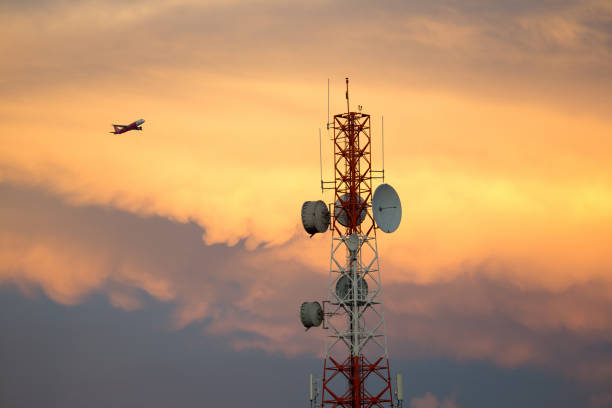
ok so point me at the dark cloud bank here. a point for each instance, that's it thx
(95, 354)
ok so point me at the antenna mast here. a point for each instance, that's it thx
(348, 109)
(321, 160)
(327, 103)
(382, 121)
(356, 371)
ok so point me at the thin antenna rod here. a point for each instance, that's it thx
(382, 120)
(311, 390)
(327, 103)
(348, 109)
(321, 159)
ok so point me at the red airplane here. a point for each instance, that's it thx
(125, 128)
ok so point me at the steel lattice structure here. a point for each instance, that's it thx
(356, 370)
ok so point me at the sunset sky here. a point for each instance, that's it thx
(166, 267)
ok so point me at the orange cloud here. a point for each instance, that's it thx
(431, 401)
(65, 275)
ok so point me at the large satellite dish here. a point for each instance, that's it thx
(387, 208)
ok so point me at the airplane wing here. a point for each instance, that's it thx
(118, 128)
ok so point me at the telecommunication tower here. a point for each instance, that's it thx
(356, 371)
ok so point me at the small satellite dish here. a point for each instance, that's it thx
(315, 217)
(387, 208)
(344, 290)
(352, 242)
(311, 314)
(340, 213)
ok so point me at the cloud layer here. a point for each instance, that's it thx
(498, 132)
(251, 297)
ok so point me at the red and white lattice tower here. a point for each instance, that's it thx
(356, 370)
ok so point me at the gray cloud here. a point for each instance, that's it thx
(247, 296)
(473, 316)
(75, 252)
(96, 355)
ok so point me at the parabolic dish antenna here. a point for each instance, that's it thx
(340, 213)
(387, 208)
(344, 289)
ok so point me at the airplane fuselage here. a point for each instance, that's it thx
(126, 128)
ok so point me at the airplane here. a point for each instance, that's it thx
(125, 128)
